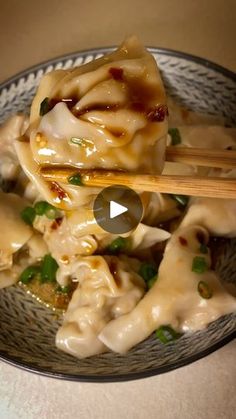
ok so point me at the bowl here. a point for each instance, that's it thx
(28, 329)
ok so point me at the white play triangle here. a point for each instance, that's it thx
(116, 209)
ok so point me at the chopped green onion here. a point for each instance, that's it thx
(175, 136)
(75, 180)
(151, 282)
(204, 290)
(44, 208)
(166, 334)
(28, 215)
(63, 290)
(118, 245)
(48, 269)
(29, 273)
(203, 248)
(199, 265)
(44, 106)
(147, 271)
(181, 199)
(40, 207)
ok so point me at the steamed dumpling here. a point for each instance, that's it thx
(218, 216)
(108, 287)
(9, 131)
(14, 234)
(174, 298)
(110, 113)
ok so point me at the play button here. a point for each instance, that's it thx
(118, 209)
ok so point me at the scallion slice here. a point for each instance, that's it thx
(49, 268)
(120, 244)
(29, 273)
(147, 271)
(63, 290)
(204, 290)
(181, 199)
(166, 334)
(75, 180)
(44, 208)
(199, 265)
(40, 207)
(175, 136)
(44, 106)
(28, 215)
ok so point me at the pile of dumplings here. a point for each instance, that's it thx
(113, 113)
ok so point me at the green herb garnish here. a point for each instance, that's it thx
(49, 268)
(63, 290)
(44, 208)
(203, 248)
(29, 273)
(204, 290)
(181, 199)
(199, 265)
(75, 180)
(44, 107)
(28, 215)
(175, 136)
(118, 245)
(166, 334)
(41, 207)
(147, 271)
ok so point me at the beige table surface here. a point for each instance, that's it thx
(33, 31)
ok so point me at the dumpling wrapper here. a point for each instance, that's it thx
(108, 287)
(174, 299)
(11, 129)
(114, 117)
(14, 232)
(218, 216)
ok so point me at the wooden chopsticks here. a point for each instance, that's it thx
(224, 159)
(212, 187)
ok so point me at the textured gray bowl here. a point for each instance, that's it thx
(27, 329)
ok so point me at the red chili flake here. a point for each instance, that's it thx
(56, 223)
(183, 241)
(158, 113)
(58, 190)
(116, 73)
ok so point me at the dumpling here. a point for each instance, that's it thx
(108, 287)
(212, 137)
(218, 216)
(14, 232)
(160, 208)
(9, 131)
(180, 115)
(110, 113)
(175, 298)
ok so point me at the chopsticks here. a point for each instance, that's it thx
(212, 187)
(223, 159)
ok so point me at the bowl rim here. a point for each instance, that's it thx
(103, 50)
(131, 375)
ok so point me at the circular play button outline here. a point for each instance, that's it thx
(118, 209)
